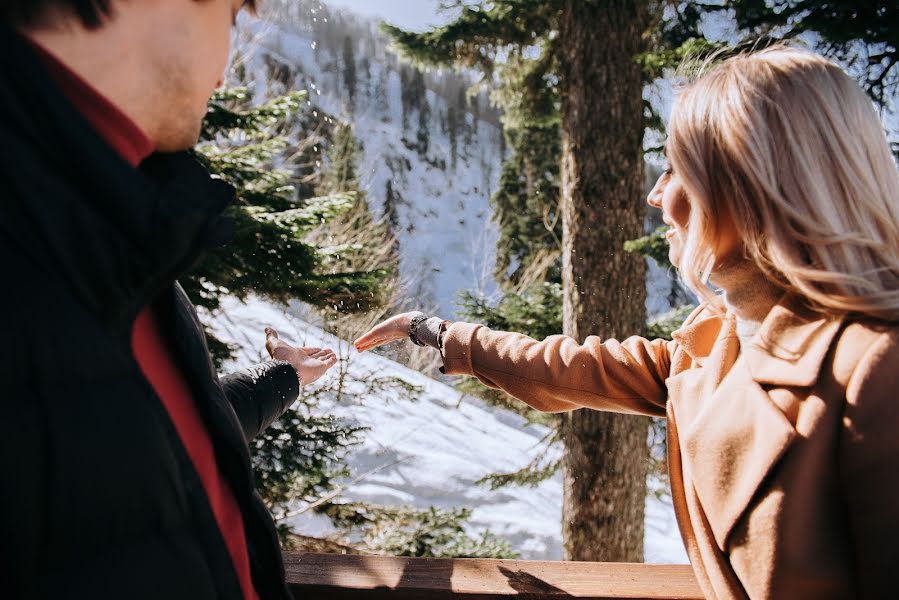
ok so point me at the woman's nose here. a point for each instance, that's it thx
(654, 198)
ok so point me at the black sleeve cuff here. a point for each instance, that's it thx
(261, 394)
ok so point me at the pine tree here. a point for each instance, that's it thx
(269, 255)
(407, 91)
(575, 39)
(464, 110)
(365, 72)
(526, 204)
(349, 72)
(423, 137)
(382, 103)
(864, 35)
(391, 199)
(406, 531)
(302, 454)
(452, 132)
(340, 175)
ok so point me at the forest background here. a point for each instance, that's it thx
(381, 170)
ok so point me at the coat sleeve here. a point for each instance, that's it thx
(869, 455)
(558, 374)
(261, 394)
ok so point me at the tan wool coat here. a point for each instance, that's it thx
(783, 456)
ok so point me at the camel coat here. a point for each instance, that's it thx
(783, 457)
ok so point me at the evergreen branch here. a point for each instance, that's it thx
(531, 475)
(316, 211)
(229, 110)
(663, 325)
(479, 34)
(653, 246)
(341, 489)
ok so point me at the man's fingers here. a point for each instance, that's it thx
(271, 339)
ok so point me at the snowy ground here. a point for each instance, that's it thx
(432, 449)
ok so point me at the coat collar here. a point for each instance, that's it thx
(788, 349)
(791, 344)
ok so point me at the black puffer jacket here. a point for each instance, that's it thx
(98, 498)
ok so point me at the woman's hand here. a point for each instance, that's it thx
(310, 363)
(391, 330)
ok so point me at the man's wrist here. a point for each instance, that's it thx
(295, 370)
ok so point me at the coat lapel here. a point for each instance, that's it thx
(732, 434)
(735, 440)
(791, 345)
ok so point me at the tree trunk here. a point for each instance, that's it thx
(604, 286)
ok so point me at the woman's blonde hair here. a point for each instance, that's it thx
(791, 148)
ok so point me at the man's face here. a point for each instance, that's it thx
(188, 43)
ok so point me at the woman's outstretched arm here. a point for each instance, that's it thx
(554, 375)
(558, 374)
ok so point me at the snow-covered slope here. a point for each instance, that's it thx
(446, 238)
(441, 191)
(432, 448)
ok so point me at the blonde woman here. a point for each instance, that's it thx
(782, 391)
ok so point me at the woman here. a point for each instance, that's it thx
(781, 392)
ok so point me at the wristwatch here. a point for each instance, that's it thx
(413, 328)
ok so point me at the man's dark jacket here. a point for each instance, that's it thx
(98, 497)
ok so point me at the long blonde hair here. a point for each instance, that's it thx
(793, 150)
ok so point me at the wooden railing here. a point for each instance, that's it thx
(339, 577)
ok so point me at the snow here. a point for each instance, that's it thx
(431, 448)
(446, 237)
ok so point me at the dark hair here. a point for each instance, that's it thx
(91, 12)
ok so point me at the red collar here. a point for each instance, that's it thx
(110, 122)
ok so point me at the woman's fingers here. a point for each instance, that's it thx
(395, 328)
(376, 332)
(369, 343)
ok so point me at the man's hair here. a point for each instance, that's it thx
(90, 12)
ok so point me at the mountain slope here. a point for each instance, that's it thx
(430, 446)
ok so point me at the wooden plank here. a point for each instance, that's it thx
(338, 577)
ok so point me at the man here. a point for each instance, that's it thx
(124, 459)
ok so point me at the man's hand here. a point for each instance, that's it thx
(310, 363)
